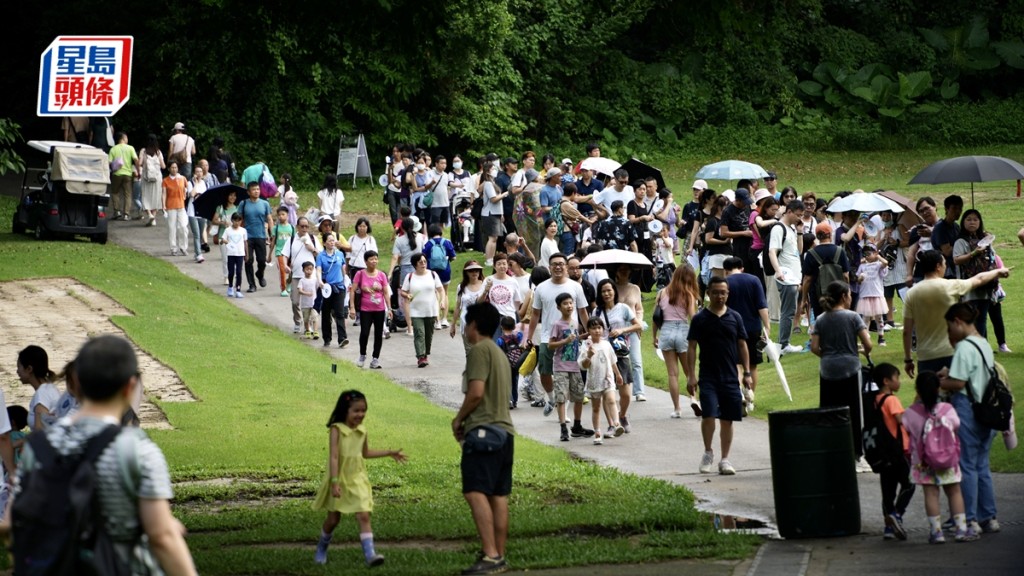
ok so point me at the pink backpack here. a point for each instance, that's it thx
(940, 446)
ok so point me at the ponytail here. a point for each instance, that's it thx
(833, 295)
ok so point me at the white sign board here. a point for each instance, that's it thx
(354, 161)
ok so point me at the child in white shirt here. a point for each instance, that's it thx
(598, 359)
(307, 296)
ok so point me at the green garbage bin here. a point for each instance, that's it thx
(813, 473)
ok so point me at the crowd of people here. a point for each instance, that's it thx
(730, 269)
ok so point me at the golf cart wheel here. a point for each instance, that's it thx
(41, 232)
(99, 238)
(16, 226)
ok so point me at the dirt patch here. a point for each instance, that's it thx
(60, 314)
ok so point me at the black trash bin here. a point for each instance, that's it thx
(813, 473)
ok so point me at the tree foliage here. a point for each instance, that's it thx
(283, 80)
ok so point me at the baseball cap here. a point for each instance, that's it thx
(823, 229)
(510, 160)
(552, 173)
(744, 194)
(700, 185)
(730, 195)
(179, 126)
(566, 161)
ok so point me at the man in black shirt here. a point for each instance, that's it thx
(736, 218)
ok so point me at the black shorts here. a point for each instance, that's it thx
(755, 356)
(890, 291)
(721, 400)
(489, 473)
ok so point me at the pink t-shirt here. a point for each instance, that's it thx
(373, 289)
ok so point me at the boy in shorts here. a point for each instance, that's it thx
(603, 378)
(722, 338)
(565, 347)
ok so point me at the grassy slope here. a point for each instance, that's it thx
(263, 401)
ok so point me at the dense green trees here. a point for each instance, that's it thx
(284, 79)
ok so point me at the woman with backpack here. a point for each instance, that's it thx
(834, 339)
(151, 166)
(966, 379)
(440, 254)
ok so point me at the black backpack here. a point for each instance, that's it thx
(57, 523)
(828, 272)
(881, 448)
(995, 406)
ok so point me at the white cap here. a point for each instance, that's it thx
(700, 185)
(730, 194)
(566, 161)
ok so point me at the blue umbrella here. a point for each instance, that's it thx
(731, 170)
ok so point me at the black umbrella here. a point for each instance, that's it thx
(970, 169)
(207, 202)
(640, 171)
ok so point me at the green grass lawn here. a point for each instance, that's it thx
(250, 453)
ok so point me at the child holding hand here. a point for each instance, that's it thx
(346, 487)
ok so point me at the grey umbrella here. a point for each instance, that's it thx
(970, 169)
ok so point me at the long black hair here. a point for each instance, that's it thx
(35, 357)
(600, 299)
(927, 386)
(330, 184)
(345, 401)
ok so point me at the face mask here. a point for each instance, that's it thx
(494, 172)
(457, 165)
(421, 167)
(889, 224)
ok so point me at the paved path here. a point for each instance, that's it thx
(658, 447)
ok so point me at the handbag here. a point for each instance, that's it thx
(181, 156)
(428, 198)
(659, 312)
(529, 362)
(485, 438)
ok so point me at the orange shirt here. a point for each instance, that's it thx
(174, 192)
(890, 408)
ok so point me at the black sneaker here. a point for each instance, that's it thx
(565, 434)
(487, 565)
(263, 282)
(581, 432)
(251, 289)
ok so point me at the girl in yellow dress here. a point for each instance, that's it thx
(346, 487)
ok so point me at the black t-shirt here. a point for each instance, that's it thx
(853, 253)
(717, 337)
(713, 225)
(738, 220)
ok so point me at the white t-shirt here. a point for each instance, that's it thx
(544, 300)
(547, 248)
(441, 190)
(179, 141)
(491, 208)
(396, 171)
(404, 252)
(423, 298)
(357, 257)
(302, 249)
(236, 240)
(307, 285)
(610, 194)
(48, 396)
(788, 255)
(504, 295)
(331, 203)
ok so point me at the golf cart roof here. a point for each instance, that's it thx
(83, 169)
(47, 145)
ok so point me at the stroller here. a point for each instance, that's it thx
(462, 232)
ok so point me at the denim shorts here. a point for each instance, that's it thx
(672, 336)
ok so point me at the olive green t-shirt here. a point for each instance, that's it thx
(485, 361)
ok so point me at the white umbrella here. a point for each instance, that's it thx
(602, 165)
(772, 351)
(731, 170)
(864, 202)
(606, 258)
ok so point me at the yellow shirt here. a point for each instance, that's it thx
(927, 302)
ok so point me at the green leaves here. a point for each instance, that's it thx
(10, 134)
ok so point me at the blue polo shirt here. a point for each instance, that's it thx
(330, 266)
(582, 189)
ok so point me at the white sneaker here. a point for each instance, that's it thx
(597, 439)
(361, 361)
(862, 466)
(706, 461)
(726, 469)
(296, 329)
(445, 324)
(675, 414)
(641, 398)
(792, 349)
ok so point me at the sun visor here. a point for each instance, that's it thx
(84, 170)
